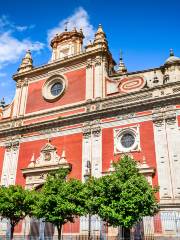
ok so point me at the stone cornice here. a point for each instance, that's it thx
(36, 170)
(61, 63)
(107, 107)
(116, 74)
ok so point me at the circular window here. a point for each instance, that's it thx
(127, 140)
(56, 88)
(53, 88)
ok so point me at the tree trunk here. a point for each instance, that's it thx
(126, 233)
(59, 228)
(12, 231)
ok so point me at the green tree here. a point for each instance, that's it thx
(60, 200)
(123, 197)
(15, 204)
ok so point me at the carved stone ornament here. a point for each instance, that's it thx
(22, 82)
(50, 130)
(12, 145)
(91, 128)
(86, 130)
(164, 114)
(98, 61)
(48, 161)
(170, 115)
(89, 63)
(96, 128)
(16, 123)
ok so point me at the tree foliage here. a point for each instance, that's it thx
(60, 200)
(123, 197)
(15, 204)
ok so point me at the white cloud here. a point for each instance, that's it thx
(24, 28)
(11, 49)
(6, 24)
(79, 19)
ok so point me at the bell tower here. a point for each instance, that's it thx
(67, 43)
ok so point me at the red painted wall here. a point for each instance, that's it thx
(74, 92)
(72, 144)
(146, 143)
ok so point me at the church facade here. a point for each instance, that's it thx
(78, 112)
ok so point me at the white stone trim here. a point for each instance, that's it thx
(135, 120)
(46, 89)
(173, 140)
(96, 154)
(16, 102)
(89, 82)
(23, 99)
(119, 132)
(86, 155)
(9, 169)
(162, 162)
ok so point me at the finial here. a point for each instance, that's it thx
(100, 29)
(49, 140)
(27, 62)
(122, 68)
(171, 52)
(32, 161)
(144, 160)
(111, 167)
(65, 26)
(121, 55)
(63, 157)
(100, 38)
(2, 103)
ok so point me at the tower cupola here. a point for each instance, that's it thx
(67, 43)
(172, 59)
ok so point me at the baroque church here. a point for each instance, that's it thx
(81, 112)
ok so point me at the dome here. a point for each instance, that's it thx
(172, 59)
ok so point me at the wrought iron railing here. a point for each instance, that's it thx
(165, 225)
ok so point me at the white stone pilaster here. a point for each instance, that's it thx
(98, 81)
(89, 80)
(96, 151)
(16, 101)
(162, 161)
(10, 162)
(86, 148)
(173, 138)
(23, 99)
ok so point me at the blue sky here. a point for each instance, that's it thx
(144, 29)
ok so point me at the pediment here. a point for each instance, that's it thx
(48, 161)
